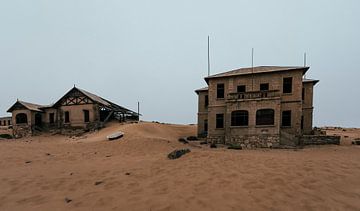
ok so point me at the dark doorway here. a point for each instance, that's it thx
(38, 120)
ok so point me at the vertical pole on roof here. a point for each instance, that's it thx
(252, 69)
(305, 63)
(138, 111)
(208, 55)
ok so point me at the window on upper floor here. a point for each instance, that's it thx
(9, 122)
(206, 101)
(220, 91)
(286, 119)
(264, 87)
(265, 117)
(219, 120)
(241, 89)
(287, 85)
(303, 94)
(240, 118)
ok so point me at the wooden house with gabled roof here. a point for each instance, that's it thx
(76, 109)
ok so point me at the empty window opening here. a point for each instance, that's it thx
(286, 118)
(67, 117)
(287, 85)
(206, 100)
(86, 116)
(9, 122)
(302, 122)
(239, 118)
(21, 118)
(205, 125)
(51, 118)
(241, 89)
(220, 91)
(264, 87)
(219, 120)
(265, 117)
(303, 94)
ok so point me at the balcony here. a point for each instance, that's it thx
(253, 95)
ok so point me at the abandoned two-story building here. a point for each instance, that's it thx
(76, 109)
(261, 106)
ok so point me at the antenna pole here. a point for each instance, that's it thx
(305, 64)
(208, 55)
(252, 69)
(138, 110)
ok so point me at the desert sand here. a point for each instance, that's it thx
(53, 172)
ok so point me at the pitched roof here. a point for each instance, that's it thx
(202, 89)
(255, 70)
(310, 81)
(100, 101)
(29, 106)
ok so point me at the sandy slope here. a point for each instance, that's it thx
(317, 178)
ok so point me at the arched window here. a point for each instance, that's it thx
(239, 118)
(265, 117)
(21, 118)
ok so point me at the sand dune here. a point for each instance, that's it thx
(38, 173)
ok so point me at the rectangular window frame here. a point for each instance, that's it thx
(86, 116)
(264, 87)
(286, 118)
(220, 91)
(206, 101)
(219, 121)
(287, 85)
(66, 117)
(241, 88)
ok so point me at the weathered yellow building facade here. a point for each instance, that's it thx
(256, 107)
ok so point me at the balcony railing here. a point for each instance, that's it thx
(253, 95)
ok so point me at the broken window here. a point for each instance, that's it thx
(67, 117)
(264, 87)
(220, 91)
(219, 120)
(265, 117)
(287, 85)
(51, 118)
(239, 118)
(21, 118)
(206, 101)
(241, 89)
(86, 116)
(286, 118)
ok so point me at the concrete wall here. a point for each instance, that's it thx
(308, 108)
(319, 140)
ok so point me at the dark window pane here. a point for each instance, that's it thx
(264, 87)
(86, 116)
(219, 120)
(265, 117)
(287, 85)
(206, 100)
(205, 125)
(241, 88)
(51, 118)
(220, 91)
(67, 117)
(21, 118)
(303, 94)
(286, 118)
(239, 118)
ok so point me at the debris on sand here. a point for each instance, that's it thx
(98, 182)
(127, 173)
(192, 138)
(235, 146)
(29, 161)
(356, 141)
(182, 140)
(114, 136)
(67, 200)
(213, 146)
(178, 153)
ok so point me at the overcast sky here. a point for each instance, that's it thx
(155, 52)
